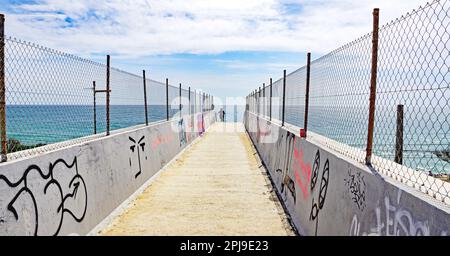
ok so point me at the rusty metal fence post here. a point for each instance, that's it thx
(189, 99)
(108, 69)
(3, 90)
(284, 98)
(373, 86)
(308, 76)
(270, 103)
(398, 158)
(145, 98)
(259, 101)
(264, 99)
(167, 99)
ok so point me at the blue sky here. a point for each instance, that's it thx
(227, 48)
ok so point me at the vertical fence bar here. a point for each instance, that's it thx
(145, 98)
(399, 136)
(284, 97)
(270, 107)
(259, 101)
(3, 90)
(264, 99)
(179, 101)
(95, 107)
(189, 98)
(373, 86)
(308, 76)
(167, 99)
(108, 67)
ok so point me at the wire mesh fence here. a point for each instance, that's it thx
(411, 139)
(55, 97)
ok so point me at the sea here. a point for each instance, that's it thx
(423, 135)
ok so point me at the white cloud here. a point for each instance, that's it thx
(141, 27)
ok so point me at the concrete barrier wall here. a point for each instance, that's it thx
(71, 190)
(327, 193)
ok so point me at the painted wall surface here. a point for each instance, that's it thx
(326, 193)
(71, 190)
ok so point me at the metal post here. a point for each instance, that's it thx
(235, 113)
(179, 100)
(270, 108)
(373, 86)
(308, 76)
(195, 101)
(399, 136)
(259, 101)
(189, 97)
(108, 66)
(95, 107)
(284, 97)
(3, 90)
(145, 98)
(167, 99)
(264, 99)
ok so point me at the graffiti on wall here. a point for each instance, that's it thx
(391, 219)
(200, 124)
(287, 186)
(319, 190)
(137, 148)
(356, 187)
(51, 194)
(160, 140)
(182, 132)
(302, 171)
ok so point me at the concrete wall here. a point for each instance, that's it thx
(71, 190)
(327, 193)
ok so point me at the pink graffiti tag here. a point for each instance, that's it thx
(162, 140)
(303, 178)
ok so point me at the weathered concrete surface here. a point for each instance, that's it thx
(216, 187)
(72, 189)
(327, 193)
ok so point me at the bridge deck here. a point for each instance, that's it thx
(216, 187)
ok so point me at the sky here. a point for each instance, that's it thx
(227, 47)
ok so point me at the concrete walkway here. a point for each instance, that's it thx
(216, 187)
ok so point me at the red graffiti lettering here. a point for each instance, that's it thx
(161, 140)
(302, 176)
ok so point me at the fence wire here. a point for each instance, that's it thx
(411, 140)
(50, 99)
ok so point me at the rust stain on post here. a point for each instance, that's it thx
(308, 73)
(108, 66)
(373, 86)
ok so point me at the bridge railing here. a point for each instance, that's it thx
(386, 93)
(48, 96)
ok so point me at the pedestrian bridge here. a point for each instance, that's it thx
(194, 176)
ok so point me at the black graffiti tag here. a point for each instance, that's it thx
(357, 189)
(323, 188)
(287, 184)
(75, 186)
(140, 145)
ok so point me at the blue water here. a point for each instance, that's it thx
(33, 124)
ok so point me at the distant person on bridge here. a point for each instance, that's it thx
(222, 115)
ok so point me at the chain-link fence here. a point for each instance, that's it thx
(411, 138)
(53, 97)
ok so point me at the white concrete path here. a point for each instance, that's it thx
(216, 187)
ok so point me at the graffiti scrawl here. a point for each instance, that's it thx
(357, 189)
(319, 202)
(140, 146)
(71, 194)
